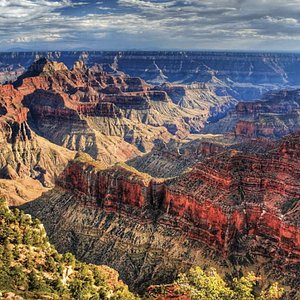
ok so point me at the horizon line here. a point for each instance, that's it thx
(158, 50)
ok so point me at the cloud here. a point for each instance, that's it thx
(179, 24)
(25, 10)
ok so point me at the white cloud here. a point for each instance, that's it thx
(278, 20)
(29, 38)
(157, 6)
(28, 9)
(164, 23)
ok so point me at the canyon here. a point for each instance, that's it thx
(236, 211)
(244, 76)
(113, 118)
(152, 177)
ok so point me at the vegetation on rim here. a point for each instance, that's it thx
(32, 268)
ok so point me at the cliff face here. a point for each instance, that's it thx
(81, 109)
(238, 210)
(10, 74)
(230, 201)
(275, 116)
(173, 158)
(28, 163)
(245, 76)
(176, 157)
(111, 117)
(25, 157)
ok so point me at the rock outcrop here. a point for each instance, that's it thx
(237, 210)
(25, 156)
(111, 117)
(229, 200)
(176, 157)
(245, 76)
(275, 116)
(201, 97)
(173, 158)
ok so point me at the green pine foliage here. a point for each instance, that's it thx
(200, 285)
(31, 267)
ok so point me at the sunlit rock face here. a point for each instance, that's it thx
(111, 117)
(237, 210)
(28, 163)
(245, 76)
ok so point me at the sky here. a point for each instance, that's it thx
(254, 25)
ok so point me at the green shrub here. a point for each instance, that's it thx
(32, 268)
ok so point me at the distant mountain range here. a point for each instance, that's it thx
(244, 76)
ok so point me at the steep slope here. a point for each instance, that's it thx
(236, 211)
(25, 157)
(276, 115)
(200, 97)
(7, 75)
(113, 118)
(68, 108)
(229, 200)
(173, 158)
(30, 266)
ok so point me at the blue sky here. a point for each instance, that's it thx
(150, 24)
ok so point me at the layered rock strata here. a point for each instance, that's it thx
(111, 117)
(275, 116)
(176, 157)
(24, 154)
(236, 210)
(245, 76)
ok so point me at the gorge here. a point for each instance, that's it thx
(154, 171)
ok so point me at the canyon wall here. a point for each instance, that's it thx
(29, 164)
(111, 117)
(235, 210)
(245, 76)
(229, 200)
(275, 116)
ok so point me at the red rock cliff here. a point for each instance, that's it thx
(225, 196)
